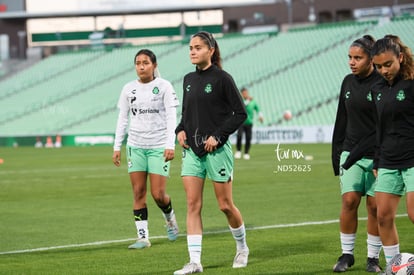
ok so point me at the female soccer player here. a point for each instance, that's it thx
(212, 110)
(150, 102)
(353, 148)
(394, 98)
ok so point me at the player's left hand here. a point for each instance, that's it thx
(210, 144)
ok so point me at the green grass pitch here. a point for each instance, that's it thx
(69, 211)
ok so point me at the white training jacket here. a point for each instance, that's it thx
(150, 109)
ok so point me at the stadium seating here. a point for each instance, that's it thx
(300, 70)
(41, 71)
(52, 103)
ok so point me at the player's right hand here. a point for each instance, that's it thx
(182, 139)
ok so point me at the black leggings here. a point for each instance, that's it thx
(248, 130)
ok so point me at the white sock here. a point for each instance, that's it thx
(168, 216)
(348, 243)
(142, 229)
(194, 248)
(390, 251)
(374, 245)
(239, 234)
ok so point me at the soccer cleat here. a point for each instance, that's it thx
(172, 229)
(246, 156)
(344, 262)
(241, 259)
(237, 155)
(189, 268)
(140, 244)
(373, 265)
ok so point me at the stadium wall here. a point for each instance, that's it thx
(261, 135)
(69, 140)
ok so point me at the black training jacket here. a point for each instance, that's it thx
(395, 133)
(355, 123)
(212, 106)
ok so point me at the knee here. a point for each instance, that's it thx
(226, 207)
(383, 222)
(349, 203)
(372, 209)
(159, 197)
(139, 195)
(384, 219)
(194, 206)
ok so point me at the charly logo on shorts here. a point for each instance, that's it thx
(208, 89)
(187, 89)
(129, 164)
(222, 172)
(400, 95)
(155, 91)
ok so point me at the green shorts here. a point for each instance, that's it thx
(395, 181)
(217, 165)
(358, 178)
(147, 160)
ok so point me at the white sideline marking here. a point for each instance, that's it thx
(162, 237)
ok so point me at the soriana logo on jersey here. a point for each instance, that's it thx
(148, 111)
